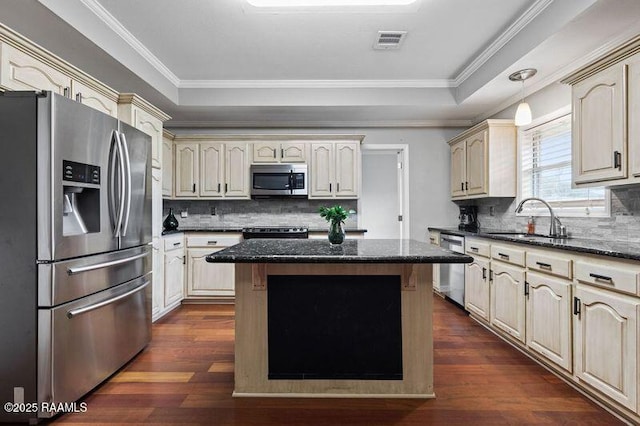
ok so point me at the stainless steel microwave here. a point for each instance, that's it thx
(279, 180)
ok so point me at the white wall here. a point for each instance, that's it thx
(429, 164)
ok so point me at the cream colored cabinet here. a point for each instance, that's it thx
(93, 98)
(174, 261)
(548, 312)
(156, 207)
(606, 343)
(335, 170)
(187, 177)
(483, 161)
(477, 290)
(167, 164)
(598, 130)
(434, 238)
(209, 280)
(157, 286)
(279, 152)
(507, 310)
(211, 170)
(458, 168)
(140, 114)
(21, 71)
(633, 117)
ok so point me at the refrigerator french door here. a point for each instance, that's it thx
(75, 260)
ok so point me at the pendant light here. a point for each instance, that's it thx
(523, 113)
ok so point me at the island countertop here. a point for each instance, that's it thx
(320, 251)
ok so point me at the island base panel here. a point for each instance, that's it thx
(252, 339)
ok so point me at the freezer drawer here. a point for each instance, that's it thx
(83, 342)
(62, 282)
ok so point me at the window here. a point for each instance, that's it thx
(545, 172)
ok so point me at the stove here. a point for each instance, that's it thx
(275, 232)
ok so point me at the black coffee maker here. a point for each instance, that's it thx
(468, 218)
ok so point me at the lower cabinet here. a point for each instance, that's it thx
(174, 261)
(606, 343)
(209, 280)
(168, 274)
(157, 291)
(476, 287)
(434, 238)
(507, 311)
(549, 318)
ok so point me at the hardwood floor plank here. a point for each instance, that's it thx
(185, 377)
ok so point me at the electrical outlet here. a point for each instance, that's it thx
(492, 211)
(184, 214)
(213, 211)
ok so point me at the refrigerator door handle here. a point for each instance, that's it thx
(114, 152)
(75, 312)
(122, 185)
(127, 201)
(87, 268)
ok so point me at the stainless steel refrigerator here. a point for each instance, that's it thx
(75, 259)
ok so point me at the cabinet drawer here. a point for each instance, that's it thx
(620, 276)
(213, 240)
(551, 263)
(508, 254)
(173, 242)
(478, 247)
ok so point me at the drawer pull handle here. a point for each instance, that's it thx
(212, 243)
(504, 256)
(543, 265)
(176, 244)
(474, 249)
(601, 277)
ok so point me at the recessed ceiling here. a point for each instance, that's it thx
(226, 63)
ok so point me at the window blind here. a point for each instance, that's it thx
(545, 158)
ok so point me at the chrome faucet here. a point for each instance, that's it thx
(553, 229)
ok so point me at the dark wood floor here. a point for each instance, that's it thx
(185, 376)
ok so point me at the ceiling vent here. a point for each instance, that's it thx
(389, 39)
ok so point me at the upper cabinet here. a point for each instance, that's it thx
(211, 169)
(167, 163)
(606, 119)
(26, 69)
(279, 152)
(483, 161)
(137, 112)
(335, 169)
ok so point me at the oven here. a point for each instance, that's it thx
(282, 180)
(275, 232)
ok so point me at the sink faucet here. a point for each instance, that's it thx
(553, 230)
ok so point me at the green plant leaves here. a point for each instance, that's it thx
(334, 214)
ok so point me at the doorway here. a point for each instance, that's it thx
(383, 208)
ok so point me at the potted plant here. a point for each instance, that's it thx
(336, 216)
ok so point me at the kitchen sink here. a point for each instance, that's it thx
(524, 235)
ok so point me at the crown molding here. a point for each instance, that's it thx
(97, 9)
(314, 84)
(529, 15)
(174, 124)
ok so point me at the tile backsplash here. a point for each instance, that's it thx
(260, 212)
(623, 225)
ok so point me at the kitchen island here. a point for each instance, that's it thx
(352, 320)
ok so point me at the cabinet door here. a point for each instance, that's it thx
(208, 279)
(153, 127)
(606, 343)
(458, 169)
(599, 145)
(173, 276)
(266, 152)
(293, 152)
(187, 172)
(322, 170)
(347, 170)
(167, 167)
(20, 71)
(477, 164)
(157, 288)
(211, 169)
(237, 170)
(633, 86)
(94, 99)
(549, 318)
(476, 287)
(156, 203)
(507, 310)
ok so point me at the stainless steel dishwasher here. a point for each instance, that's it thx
(452, 274)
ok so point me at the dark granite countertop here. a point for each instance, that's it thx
(320, 251)
(621, 249)
(236, 229)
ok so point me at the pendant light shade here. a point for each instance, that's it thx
(523, 113)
